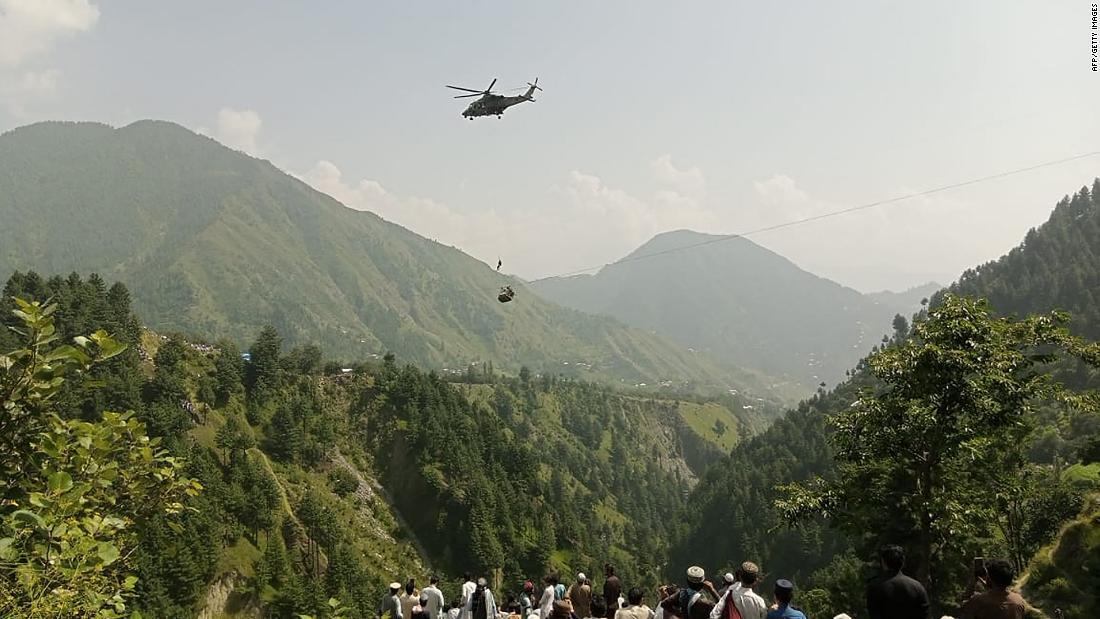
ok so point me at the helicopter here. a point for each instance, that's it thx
(491, 103)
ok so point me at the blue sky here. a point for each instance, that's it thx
(715, 116)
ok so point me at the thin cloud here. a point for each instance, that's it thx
(238, 129)
(688, 181)
(593, 222)
(30, 28)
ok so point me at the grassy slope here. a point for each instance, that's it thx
(704, 419)
(1066, 575)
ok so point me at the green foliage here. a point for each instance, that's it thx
(234, 438)
(82, 307)
(228, 372)
(929, 459)
(286, 437)
(1066, 575)
(730, 517)
(263, 368)
(737, 496)
(344, 482)
(839, 587)
(527, 468)
(336, 611)
(74, 493)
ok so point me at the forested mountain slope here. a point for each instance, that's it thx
(320, 482)
(1057, 266)
(738, 301)
(214, 242)
(731, 515)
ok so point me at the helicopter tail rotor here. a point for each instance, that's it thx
(531, 88)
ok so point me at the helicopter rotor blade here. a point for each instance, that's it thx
(476, 94)
(465, 89)
(490, 88)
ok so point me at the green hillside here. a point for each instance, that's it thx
(1055, 268)
(739, 302)
(1066, 575)
(214, 242)
(319, 482)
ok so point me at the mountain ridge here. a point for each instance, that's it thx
(735, 300)
(213, 241)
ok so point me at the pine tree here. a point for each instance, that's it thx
(285, 436)
(263, 368)
(228, 372)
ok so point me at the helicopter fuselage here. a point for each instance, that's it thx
(493, 105)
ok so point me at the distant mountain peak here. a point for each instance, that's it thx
(732, 298)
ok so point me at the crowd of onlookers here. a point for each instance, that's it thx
(893, 595)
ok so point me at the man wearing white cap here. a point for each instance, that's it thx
(744, 599)
(690, 598)
(391, 605)
(580, 594)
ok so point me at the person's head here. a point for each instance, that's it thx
(434, 580)
(562, 609)
(456, 603)
(410, 586)
(748, 573)
(482, 583)
(892, 558)
(528, 586)
(784, 591)
(394, 588)
(599, 606)
(1000, 572)
(695, 575)
(466, 577)
(634, 597)
(551, 578)
(581, 578)
(728, 578)
(608, 569)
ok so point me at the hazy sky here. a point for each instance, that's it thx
(716, 116)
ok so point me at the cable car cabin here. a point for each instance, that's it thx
(506, 294)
